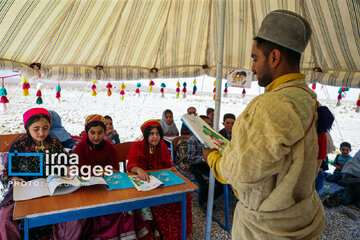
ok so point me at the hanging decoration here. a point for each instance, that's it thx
(214, 91)
(358, 104)
(58, 90)
(313, 86)
(93, 88)
(243, 92)
(342, 94)
(38, 93)
(194, 87)
(162, 89)
(178, 89)
(3, 94)
(184, 89)
(138, 85)
(122, 91)
(109, 87)
(225, 90)
(26, 86)
(151, 84)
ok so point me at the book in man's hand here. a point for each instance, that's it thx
(51, 186)
(204, 133)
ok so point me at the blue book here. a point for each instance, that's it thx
(118, 181)
(167, 177)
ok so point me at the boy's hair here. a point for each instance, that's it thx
(203, 117)
(345, 144)
(266, 46)
(147, 131)
(108, 117)
(187, 110)
(209, 110)
(229, 115)
(243, 73)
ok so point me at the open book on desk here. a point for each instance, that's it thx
(162, 178)
(206, 134)
(51, 186)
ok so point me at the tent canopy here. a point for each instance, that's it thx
(137, 39)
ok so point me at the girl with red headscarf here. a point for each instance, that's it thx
(37, 140)
(151, 153)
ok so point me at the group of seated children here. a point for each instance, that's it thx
(347, 175)
(160, 222)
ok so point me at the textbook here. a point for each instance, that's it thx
(52, 186)
(163, 178)
(142, 185)
(206, 134)
(118, 181)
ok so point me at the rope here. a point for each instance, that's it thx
(328, 97)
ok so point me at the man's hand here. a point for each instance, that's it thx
(206, 153)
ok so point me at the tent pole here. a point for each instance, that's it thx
(219, 76)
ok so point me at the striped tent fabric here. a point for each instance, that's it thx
(140, 39)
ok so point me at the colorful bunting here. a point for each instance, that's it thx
(194, 87)
(358, 105)
(3, 94)
(151, 84)
(178, 89)
(26, 86)
(58, 90)
(214, 91)
(313, 86)
(138, 85)
(243, 92)
(109, 87)
(93, 88)
(184, 89)
(162, 89)
(38, 93)
(225, 90)
(122, 92)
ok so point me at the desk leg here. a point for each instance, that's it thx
(26, 229)
(226, 203)
(183, 217)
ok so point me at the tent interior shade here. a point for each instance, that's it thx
(139, 39)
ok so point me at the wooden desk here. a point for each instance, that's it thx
(97, 201)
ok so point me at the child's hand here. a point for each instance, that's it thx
(143, 175)
(173, 169)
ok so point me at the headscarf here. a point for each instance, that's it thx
(169, 129)
(353, 166)
(57, 130)
(33, 111)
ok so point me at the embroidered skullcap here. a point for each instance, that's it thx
(286, 29)
(151, 122)
(94, 118)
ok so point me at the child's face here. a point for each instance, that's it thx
(96, 135)
(40, 129)
(192, 111)
(109, 125)
(345, 151)
(211, 116)
(154, 137)
(169, 118)
(207, 120)
(228, 124)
